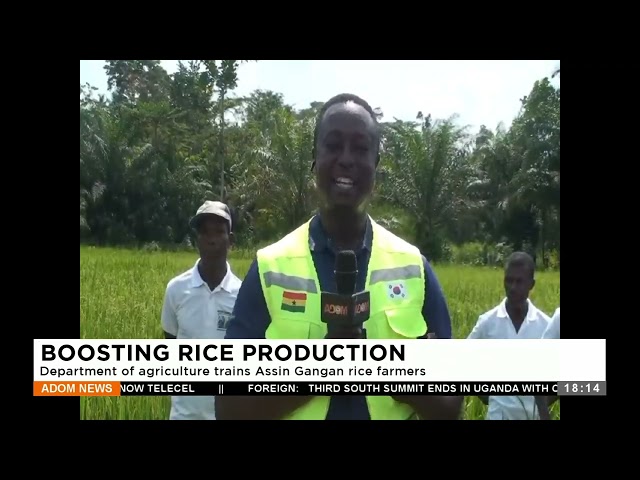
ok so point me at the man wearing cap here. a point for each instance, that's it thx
(198, 303)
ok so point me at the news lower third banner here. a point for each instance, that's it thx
(75, 367)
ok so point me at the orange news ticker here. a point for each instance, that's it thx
(76, 389)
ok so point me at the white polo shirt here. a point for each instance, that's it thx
(191, 310)
(496, 324)
(553, 330)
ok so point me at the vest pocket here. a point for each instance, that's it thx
(406, 322)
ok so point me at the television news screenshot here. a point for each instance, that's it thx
(319, 240)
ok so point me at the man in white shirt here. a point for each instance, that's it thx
(553, 330)
(516, 317)
(198, 303)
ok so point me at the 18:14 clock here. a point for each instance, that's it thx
(582, 389)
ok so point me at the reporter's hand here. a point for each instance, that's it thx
(354, 333)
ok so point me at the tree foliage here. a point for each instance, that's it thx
(162, 144)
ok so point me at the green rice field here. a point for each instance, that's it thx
(121, 294)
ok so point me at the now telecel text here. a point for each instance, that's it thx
(225, 353)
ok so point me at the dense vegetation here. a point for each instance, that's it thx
(163, 143)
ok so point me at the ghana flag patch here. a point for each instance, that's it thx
(294, 301)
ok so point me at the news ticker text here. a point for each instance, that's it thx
(106, 388)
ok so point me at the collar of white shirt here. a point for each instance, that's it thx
(226, 284)
(532, 310)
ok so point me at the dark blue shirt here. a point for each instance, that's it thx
(251, 316)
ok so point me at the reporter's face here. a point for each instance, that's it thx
(346, 155)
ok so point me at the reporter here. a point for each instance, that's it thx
(345, 158)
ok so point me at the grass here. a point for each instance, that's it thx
(121, 294)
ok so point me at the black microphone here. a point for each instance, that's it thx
(345, 310)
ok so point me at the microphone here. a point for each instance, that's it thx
(346, 310)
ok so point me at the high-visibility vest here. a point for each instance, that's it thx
(395, 280)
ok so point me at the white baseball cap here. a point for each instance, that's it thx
(209, 207)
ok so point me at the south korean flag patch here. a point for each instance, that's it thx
(397, 291)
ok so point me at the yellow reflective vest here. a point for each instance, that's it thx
(395, 280)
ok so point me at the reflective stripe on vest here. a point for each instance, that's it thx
(395, 280)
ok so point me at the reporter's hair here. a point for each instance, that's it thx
(344, 98)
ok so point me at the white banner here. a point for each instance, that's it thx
(319, 360)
